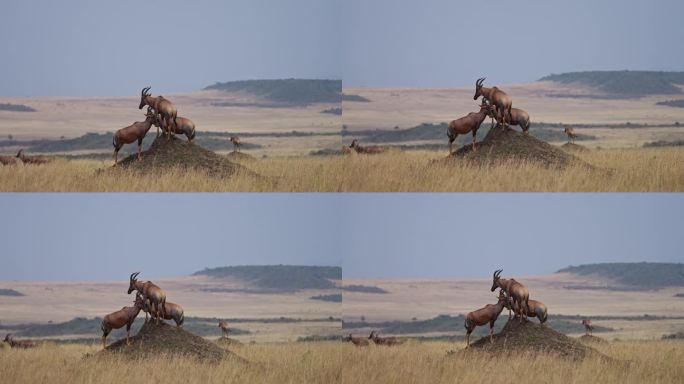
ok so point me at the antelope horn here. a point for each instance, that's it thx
(144, 91)
(134, 275)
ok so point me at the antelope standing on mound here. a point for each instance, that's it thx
(372, 150)
(468, 123)
(8, 160)
(171, 311)
(570, 131)
(499, 100)
(517, 117)
(534, 309)
(388, 341)
(588, 328)
(124, 316)
(224, 327)
(18, 343)
(181, 126)
(32, 159)
(136, 131)
(155, 295)
(488, 314)
(165, 110)
(516, 291)
(358, 341)
(236, 143)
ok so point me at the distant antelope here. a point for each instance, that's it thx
(124, 316)
(388, 341)
(570, 131)
(151, 292)
(535, 309)
(32, 159)
(164, 109)
(171, 311)
(224, 327)
(468, 123)
(136, 131)
(371, 150)
(497, 98)
(588, 327)
(236, 143)
(18, 343)
(517, 292)
(488, 314)
(358, 341)
(8, 160)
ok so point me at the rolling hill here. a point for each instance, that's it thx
(624, 84)
(287, 91)
(283, 278)
(633, 276)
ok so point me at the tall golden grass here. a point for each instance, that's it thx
(634, 170)
(268, 363)
(636, 362)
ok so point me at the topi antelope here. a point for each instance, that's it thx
(165, 110)
(570, 131)
(588, 328)
(535, 309)
(32, 159)
(236, 143)
(151, 292)
(358, 341)
(133, 132)
(182, 126)
(517, 292)
(171, 311)
(468, 123)
(224, 327)
(8, 160)
(372, 150)
(499, 100)
(18, 343)
(517, 117)
(488, 314)
(388, 341)
(124, 316)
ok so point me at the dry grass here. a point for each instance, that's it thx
(619, 170)
(637, 362)
(268, 363)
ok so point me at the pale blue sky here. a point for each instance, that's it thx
(446, 43)
(106, 236)
(84, 47)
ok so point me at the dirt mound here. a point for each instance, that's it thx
(239, 156)
(227, 342)
(163, 339)
(167, 153)
(532, 337)
(507, 144)
(589, 339)
(572, 147)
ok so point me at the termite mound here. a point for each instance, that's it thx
(589, 339)
(160, 340)
(574, 148)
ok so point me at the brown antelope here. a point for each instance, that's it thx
(8, 160)
(164, 109)
(224, 327)
(499, 100)
(488, 314)
(570, 131)
(372, 150)
(358, 341)
(32, 159)
(517, 292)
(535, 309)
(18, 343)
(388, 341)
(155, 295)
(136, 131)
(517, 117)
(236, 143)
(171, 311)
(124, 316)
(588, 328)
(468, 123)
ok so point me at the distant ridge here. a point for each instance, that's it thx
(642, 275)
(287, 278)
(625, 83)
(287, 91)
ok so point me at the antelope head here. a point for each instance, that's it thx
(19, 153)
(143, 94)
(354, 144)
(371, 335)
(151, 115)
(478, 87)
(495, 279)
(8, 338)
(132, 281)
